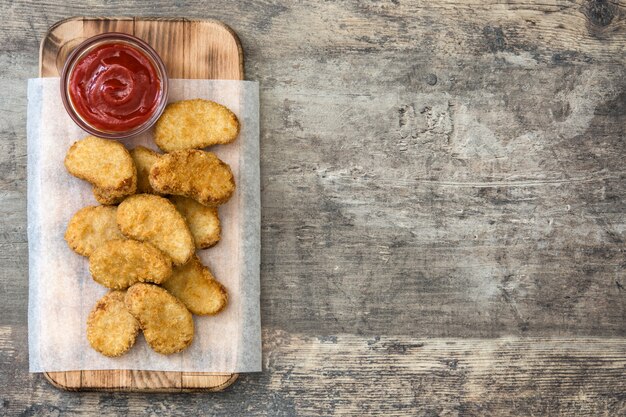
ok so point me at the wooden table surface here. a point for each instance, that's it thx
(443, 196)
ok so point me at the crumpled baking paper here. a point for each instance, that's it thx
(61, 290)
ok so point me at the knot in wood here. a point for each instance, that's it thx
(600, 12)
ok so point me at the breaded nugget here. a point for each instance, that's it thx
(203, 221)
(90, 227)
(144, 158)
(153, 219)
(118, 264)
(195, 124)
(111, 329)
(106, 164)
(196, 174)
(166, 323)
(197, 288)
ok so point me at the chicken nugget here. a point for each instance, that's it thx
(166, 323)
(203, 221)
(106, 164)
(195, 124)
(118, 264)
(90, 227)
(195, 174)
(195, 285)
(144, 158)
(153, 219)
(111, 329)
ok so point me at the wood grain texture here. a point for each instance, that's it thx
(448, 170)
(189, 49)
(379, 376)
(171, 47)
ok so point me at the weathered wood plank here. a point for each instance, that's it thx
(556, 31)
(412, 376)
(379, 375)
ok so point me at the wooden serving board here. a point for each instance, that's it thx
(190, 49)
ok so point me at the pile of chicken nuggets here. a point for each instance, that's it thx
(156, 210)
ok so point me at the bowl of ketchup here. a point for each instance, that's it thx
(114, 86)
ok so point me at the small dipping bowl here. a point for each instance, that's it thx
(114, 86)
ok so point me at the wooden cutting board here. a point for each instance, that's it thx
(190, 49)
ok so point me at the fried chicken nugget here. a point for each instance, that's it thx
(111, 329)
(195, 124)
(197, 288)
(90, 227)
(106, 164)
(203, 221)
(118, 264)
(153, 219)
(166, 323)
(196, 174)
(144, 158)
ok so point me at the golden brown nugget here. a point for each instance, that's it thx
(197, 288)
(90, 227)
(106, 164)
(195, 124)
(118, 264)
(111, 329)
(153, 219)
(203, 221)
(195, 174)
(166, 323)
(144, 158)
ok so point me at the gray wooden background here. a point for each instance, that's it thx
(443, 208)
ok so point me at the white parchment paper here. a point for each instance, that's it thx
(61, 291)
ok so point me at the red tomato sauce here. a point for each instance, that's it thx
(115, 87)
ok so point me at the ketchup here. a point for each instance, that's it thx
(115, 87)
